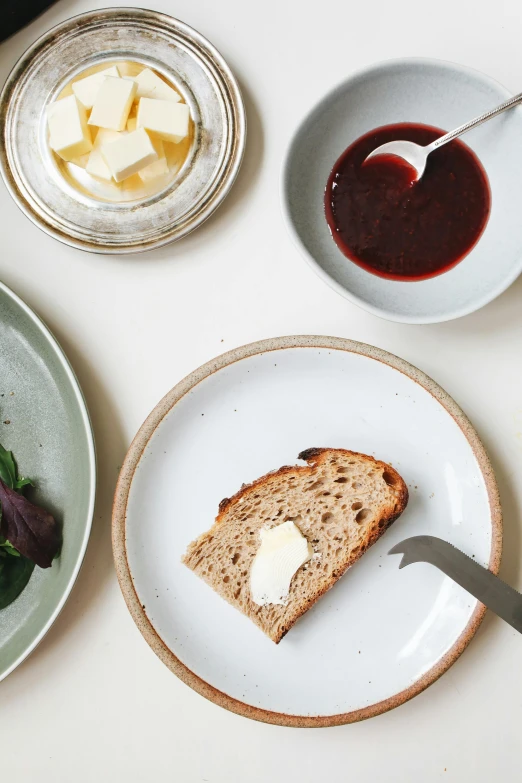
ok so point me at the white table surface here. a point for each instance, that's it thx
(93, 703)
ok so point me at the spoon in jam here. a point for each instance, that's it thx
(415, 155)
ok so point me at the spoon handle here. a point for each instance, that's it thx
(474, 123)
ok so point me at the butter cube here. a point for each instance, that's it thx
(86, 89)
(169, 121)
(132, 124)
(70, 136)
(127, 68)
(96, 165)
(154, 170)
(158, 146)
(128, 154)
(159, 168)
(113, 103)
(151, 86)
(81, 161)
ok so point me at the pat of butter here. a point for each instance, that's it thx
(283, 551)
(113, 103)
(157, 169)
(154, 170)
(86, 89)
(128, 154)
(81, 161)
(70, 136)
(96, 165)
(151, 86)
(132, 124)
(169, 121)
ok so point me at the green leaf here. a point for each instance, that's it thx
(23, 482)
(9, 471)
(8, 548)
(7, 468)
(15, 572)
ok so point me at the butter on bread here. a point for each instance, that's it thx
(341, 501)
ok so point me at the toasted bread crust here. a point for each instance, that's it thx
(315, 457)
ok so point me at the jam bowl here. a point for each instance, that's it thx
(398, 97)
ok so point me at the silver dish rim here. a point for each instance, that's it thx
(234, 107)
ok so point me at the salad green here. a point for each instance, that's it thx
(29, 535)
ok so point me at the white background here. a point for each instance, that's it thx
(93, 703)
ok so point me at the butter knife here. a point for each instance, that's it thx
(481, 583)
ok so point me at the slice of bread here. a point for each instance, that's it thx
(342, 502)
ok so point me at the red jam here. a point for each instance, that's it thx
(395, 227)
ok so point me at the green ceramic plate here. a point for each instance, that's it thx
(50, 434)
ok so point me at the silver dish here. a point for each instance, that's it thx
(186, 59)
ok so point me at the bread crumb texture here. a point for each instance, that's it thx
(342, 502)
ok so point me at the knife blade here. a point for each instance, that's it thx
(481, 583)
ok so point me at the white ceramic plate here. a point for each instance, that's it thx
(380, 635)
(412, 90)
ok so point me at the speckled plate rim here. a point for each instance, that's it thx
(230, 166)
(82, 406)
(381, 312)
(121, 498)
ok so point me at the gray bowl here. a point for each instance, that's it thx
(45, 422)
(411, 90)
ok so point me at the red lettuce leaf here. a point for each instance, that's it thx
(29, 528)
